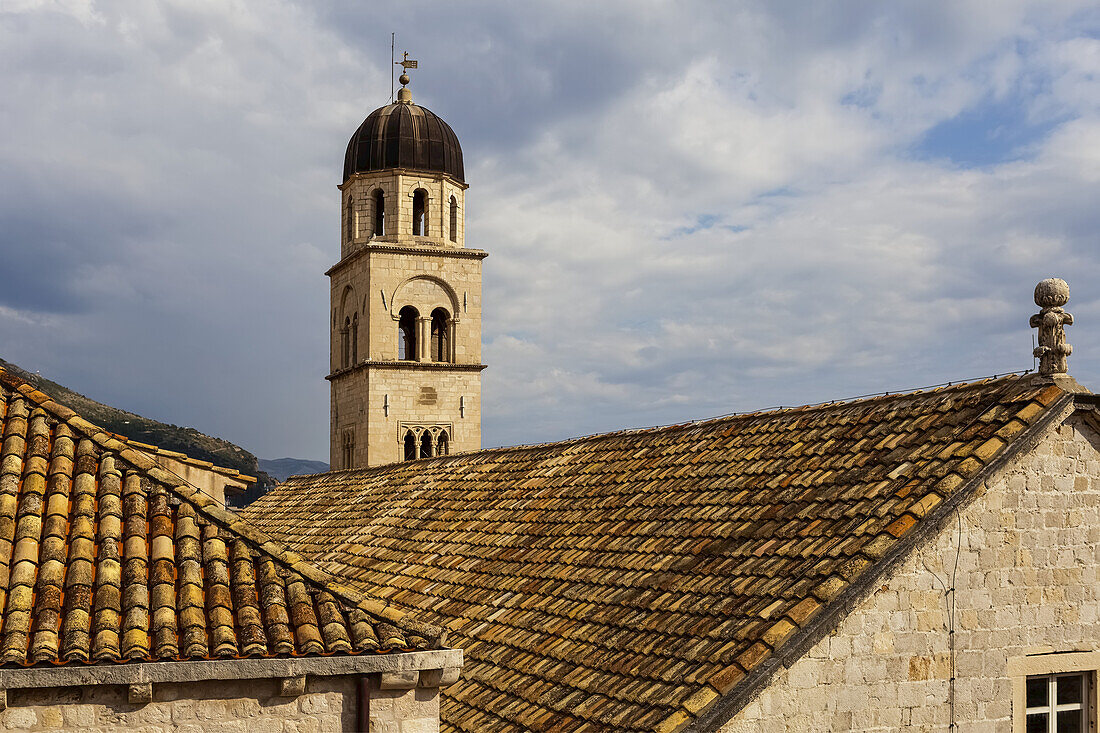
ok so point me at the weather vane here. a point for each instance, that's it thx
(406, 63)
(404, 95)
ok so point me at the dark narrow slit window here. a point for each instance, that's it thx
(420, 212)
(406, 334)
(379, 212)
(454, 219)
(355, 339)
(441, 342)
(349, 449)
(351, 220)
(410, 446)
(345, 357)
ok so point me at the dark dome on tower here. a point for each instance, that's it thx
(404, 135)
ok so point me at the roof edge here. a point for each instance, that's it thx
(723, 707)
(232, 668)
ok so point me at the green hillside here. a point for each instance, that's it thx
(135, 427)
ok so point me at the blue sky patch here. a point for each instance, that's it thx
(993, 132)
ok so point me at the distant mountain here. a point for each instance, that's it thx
(283, 468)
(163, 435)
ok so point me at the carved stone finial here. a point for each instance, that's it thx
(1050, 295)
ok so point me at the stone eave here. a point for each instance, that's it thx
(76, 674)
(407, 249)
(424, 366)
(413, 172)
(725, 706)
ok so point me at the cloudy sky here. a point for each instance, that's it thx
(691, 208)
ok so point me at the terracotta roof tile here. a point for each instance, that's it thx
(627, 580)
(104, 557)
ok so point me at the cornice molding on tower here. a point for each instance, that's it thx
(429, 366)
(405, 172)
(433, 251)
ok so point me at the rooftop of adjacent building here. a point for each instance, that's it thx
(107, 557)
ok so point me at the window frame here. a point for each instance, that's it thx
(1054, 664)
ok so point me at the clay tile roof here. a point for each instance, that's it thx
(106, 557)
(629, 581)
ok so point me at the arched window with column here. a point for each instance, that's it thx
(379, 203)
(454, 219)
(420, 212)
(410, 445)
(441, 335)
(426, 444)
(406, 333)
(442, 444)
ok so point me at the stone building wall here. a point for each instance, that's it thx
(1027, 584)
(227, 706)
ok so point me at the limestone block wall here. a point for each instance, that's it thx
(413, 395)
(1027, 583)
(378, 284)
(369, 403)
(233, 706)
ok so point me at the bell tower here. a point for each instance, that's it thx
(405, 357)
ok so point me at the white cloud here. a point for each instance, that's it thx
(689, 209)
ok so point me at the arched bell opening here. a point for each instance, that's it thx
(406, 333)
(441, 335)
(350, 220)
(379, 204)
(454, 219)
(420, 212)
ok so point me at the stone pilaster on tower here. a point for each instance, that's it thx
(405, 359)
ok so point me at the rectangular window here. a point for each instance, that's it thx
(1057, 703)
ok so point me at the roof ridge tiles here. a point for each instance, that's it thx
(568, 443)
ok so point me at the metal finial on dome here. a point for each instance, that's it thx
(403, 94)
(1050, 295)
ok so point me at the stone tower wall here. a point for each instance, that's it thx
(398, 188)
(374, 396)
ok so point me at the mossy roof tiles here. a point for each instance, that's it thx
(629, 580)
(105, 557)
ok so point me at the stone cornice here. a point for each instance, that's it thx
(411, 172)
(199, 670)
(426, 366)
(408, 249)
